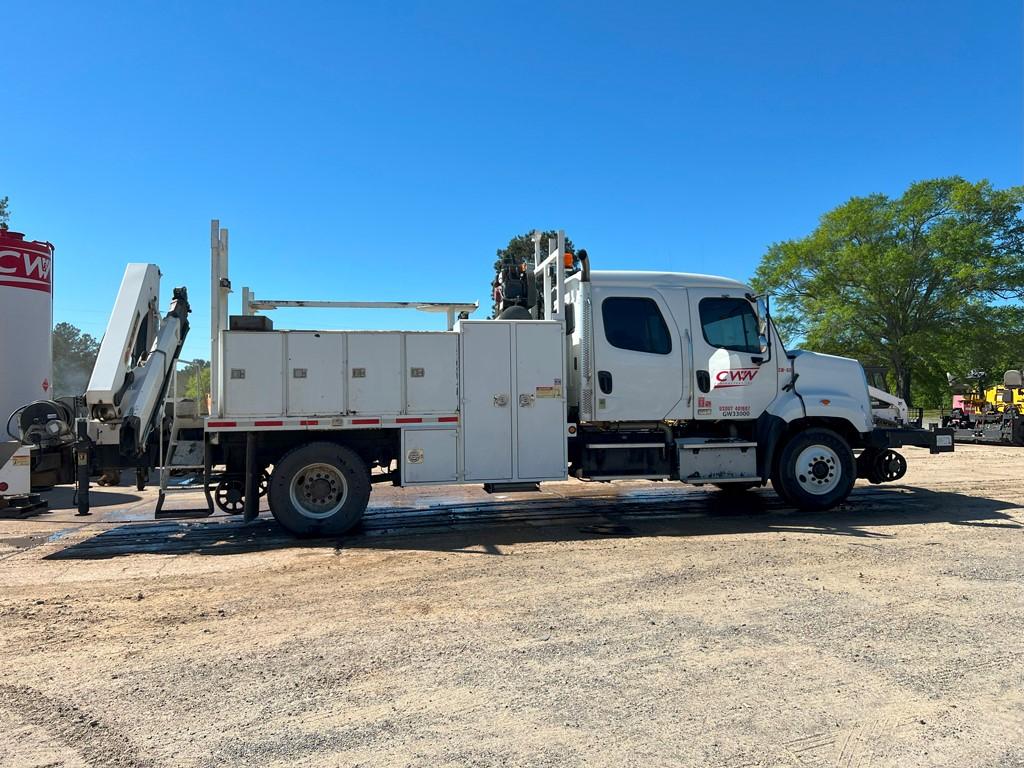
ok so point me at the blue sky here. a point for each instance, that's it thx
(382, 151)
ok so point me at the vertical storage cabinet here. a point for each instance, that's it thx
(512, 377)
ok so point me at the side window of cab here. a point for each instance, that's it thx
(730, 323)
(635, 323)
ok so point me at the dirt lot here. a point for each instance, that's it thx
(635, 624)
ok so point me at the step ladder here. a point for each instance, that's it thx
(177, 455)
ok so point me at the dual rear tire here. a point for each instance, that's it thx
(319, 489)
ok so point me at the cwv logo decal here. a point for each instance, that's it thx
(25, 269)
(737, 377)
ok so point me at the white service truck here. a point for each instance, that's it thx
(600, 376)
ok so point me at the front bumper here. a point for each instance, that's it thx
(936, 440)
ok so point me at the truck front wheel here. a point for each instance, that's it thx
(319, 489)
(816, 470)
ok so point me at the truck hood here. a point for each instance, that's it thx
(833, 386)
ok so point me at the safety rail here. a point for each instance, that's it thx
(250, 305)
(554, 306)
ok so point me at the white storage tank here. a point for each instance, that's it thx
(26, 323)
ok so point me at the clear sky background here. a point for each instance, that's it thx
(384, 150)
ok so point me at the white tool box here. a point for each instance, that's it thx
(328, 373)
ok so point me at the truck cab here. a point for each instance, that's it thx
(674, 346)
(680, 376)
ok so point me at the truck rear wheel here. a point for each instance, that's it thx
(319, 489)
(816, 470)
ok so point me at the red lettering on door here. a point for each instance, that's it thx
(737, 377)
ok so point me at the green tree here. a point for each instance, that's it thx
(520, 251)
(74, 355)
(5, 213)
(194, 381)
(913, 282)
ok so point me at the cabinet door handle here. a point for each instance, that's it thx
(500, 400)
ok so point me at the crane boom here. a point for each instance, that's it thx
(136, 358)
(141, 401)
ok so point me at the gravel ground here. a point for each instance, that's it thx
(636, 624)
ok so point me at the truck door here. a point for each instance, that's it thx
(732, 378)
(637, 355)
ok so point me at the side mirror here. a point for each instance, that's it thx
(763, 331)
(762, 317)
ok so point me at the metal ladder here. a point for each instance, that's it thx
(180, 454)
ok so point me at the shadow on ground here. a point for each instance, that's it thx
(485, 527)
(63, 497)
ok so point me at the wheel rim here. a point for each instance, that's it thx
(892, 466)
(229, 496)
(318, 491)
(818, 470)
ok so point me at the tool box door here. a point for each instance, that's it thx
(487, 402)
(253, 373)
(315, 373)
(429, 456)
(540, 401)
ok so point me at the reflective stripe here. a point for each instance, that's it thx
(333, 423)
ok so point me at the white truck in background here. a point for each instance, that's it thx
(598, 375)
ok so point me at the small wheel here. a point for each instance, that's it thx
(890, 466)
(230, 496)
(319, 488)
(816, 470)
